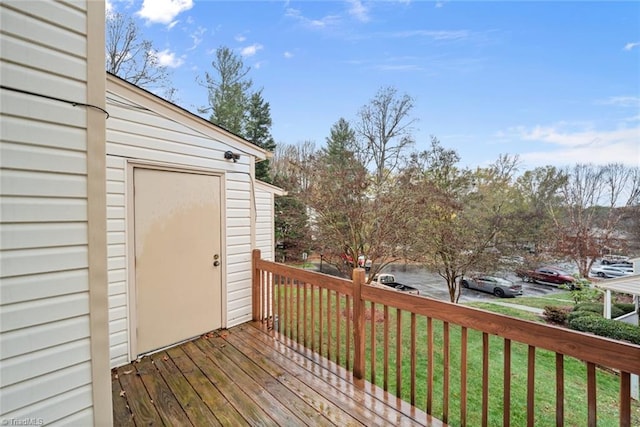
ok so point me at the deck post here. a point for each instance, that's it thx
(255, 285)
(358, 326)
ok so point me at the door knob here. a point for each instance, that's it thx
(215, 260)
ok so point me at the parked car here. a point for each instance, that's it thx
(615, 259)
(610, 271)
(623, 266)
(389, 280)
(547, 276)
(494, 285)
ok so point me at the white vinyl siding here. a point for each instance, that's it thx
(265, 212)
(145, 128)
(45, 368)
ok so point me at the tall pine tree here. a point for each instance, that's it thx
(258, 131)
(236, 108)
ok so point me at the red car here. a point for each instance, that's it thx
(547, 276)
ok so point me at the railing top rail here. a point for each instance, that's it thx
(326, 281)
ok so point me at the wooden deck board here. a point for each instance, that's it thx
(244, 376)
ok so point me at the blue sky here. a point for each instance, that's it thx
(556, 83)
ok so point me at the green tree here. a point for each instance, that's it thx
(229, 91)
(292, 227)
(342, 139)
(459, 214)
(258, 131)
(351, 216)
(538, 193)
(236, 108)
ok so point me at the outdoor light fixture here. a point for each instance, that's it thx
(231, 156)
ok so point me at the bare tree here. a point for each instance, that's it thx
(133, 58)
(385, 130)
(588, 221)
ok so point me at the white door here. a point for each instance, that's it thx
(177, 256)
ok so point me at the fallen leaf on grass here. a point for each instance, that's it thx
(122, 393)
(128, 372)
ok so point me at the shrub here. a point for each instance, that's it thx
(607, 328)
(581, 313)
(625, 307)
(594, 307)
(557, 315)
(617, 310)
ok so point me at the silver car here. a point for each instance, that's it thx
(494, 285)
(609, 271)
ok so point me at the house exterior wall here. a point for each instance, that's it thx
(53, 344)
(265, 214)
(144, 129)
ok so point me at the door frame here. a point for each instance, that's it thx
(131, 248)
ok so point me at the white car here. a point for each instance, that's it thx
(609, 271)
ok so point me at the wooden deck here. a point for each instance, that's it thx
(244, 376)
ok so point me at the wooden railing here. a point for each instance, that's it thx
(440, 356)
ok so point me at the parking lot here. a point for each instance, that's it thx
(434, 286)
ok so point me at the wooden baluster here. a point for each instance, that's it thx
(591, 395)
(313, 317)
(446, 373)
(338, 337)
(329, 324)
(373, 343)
(485, 379)
(559, 390)
(531, 385)
(398, 352)
(413, 359)
(506, 381)
(320, 320)
(255, 285)
(429, 365)
(298, 317)
(463, 376)
(305, 313)
(625, 399)
(348, 317)
(385, 380)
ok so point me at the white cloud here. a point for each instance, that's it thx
(108, 7)
(288, 55)
(167, 58)
(163, 11)
(435, 35)
(240, 38)
(250, 50)
(358, 11)
(622, 101)
(630, 46)
(325, 22)
(557, 145)
(197, 36)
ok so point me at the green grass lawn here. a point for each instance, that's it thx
(574, 370)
